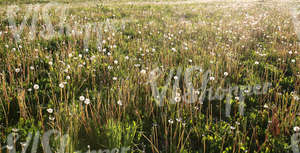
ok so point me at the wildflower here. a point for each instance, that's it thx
(29, 89)
(179, 119)
(290, 52)
(81, 98)
(293, 60)
(225, 73)
(296, 97)
(87, 101)
(211, 78)
(256, 62)
(119, 102)
(15, 130)
(115, 78)
(190, 60)
(50, 63)
(36, 86)
(232, 127)
(126, 57)
(296, 128)
(50, 110)
(31, 67)
(175, 77)
(173, 49)
(116, 62)
(266, 106)
(17, 70)
(51, 118)
(170, 121)
(9, 147)
(177, 99)
(61, 85)
(68, 77)
(23, 144)
(143, 71)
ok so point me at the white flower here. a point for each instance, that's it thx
(175, 77)
(170, 121)
(51, 118)
(36, 86)
(212, 78)
(225, 73)
(116, 62)
(179, 119)
(87, 101)
(126, 57)
(81, 98)
(293, 60)
(190, 60)
(256, 62)
(232, 127)
(50, 63)
(29, 89)
(177, 99)
(17, 70)
(61, 85)
(237, 98)
(296, 128)
(9, 147)
(197, 92)
(266, 106)
(31, 67)
(115, 78)
(50, 110)
(290, 52)
(15, 130)
(143, 71)
(173, 49)
(68, 77)
(119, 102)
(23, 144)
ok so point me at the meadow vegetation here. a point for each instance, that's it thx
(98, 91)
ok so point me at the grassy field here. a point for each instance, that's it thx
(88, 70)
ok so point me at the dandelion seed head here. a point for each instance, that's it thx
(87, 101)
(36, 86)
(81, 98)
